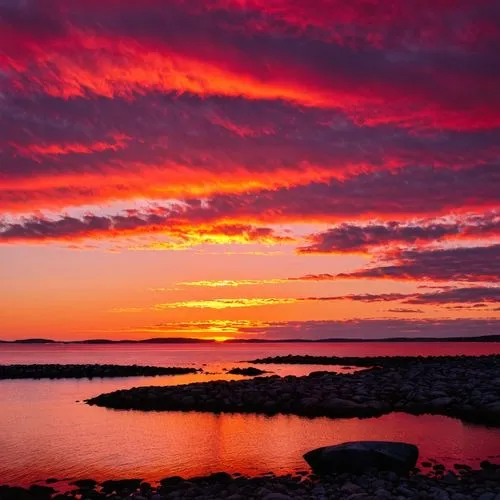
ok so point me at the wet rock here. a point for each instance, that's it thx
(251, 371)
(487, 496)
(85, 484)
(41, 492)
(172, 481)
(119, 485)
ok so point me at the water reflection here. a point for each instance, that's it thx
(45, 433)
(54, 436)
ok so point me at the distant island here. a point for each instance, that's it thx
(180, 340)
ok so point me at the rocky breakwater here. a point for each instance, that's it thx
(464, 484)
(55, 371)
(463, 387)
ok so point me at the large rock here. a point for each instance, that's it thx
(358, 456)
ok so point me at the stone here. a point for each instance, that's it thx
(250, 371)
(487, 496)
(358, 456)
(450, 478)
(441, 402)
(85, 484)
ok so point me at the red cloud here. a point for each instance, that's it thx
(426, 65)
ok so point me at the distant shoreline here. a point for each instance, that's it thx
(175, 340)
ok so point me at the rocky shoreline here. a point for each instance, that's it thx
(463, 483)
(463, 387)
(57, 371)
(371, 361)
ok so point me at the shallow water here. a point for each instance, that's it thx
(44, 432)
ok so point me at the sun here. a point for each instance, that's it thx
(221, 339)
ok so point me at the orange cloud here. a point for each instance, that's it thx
(225, 303)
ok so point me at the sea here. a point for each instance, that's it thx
(47, 431)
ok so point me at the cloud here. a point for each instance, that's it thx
(232, 283)
(352, 238)
(166, 222)
(404, 310)
(484, 294)
(357, 58)
(377, 328)
(467, 294)
(454, 264)
(313, 330)
(107, 101)
(57, 152)
(403, 193)
(459, 295)
(225, 303)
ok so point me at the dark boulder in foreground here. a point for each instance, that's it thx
(360, 456)
(251, 371)
(55, 371)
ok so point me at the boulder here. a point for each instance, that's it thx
(359, 456)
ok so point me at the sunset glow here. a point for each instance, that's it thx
(249, 169)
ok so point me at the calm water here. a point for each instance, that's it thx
(44, 432)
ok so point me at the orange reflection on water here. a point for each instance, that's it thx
(54, 436)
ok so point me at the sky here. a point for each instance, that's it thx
(249, 168)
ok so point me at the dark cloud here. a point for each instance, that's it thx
(378, 328)
(473, 307)
(367, 297)
(131, 223)
(160, 139)
(410, 191)
(478, 294)
(454, 264)
(349, 238)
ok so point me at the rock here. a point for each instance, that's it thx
(351, 488)
(392, 476)
(14, 493)
(250, 371)
(85, 484)
(119, 485)
(450, 478)
(487, 496)
(402, 490)
(220, 477)
(277, 496)
(172, 481)
(358, 456)
(441, 402)
(41, 492)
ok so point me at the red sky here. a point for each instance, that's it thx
(240, 168)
